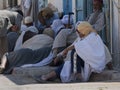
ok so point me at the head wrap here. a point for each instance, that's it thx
(28, 19)
(57, 25)
(47, 12)
(85, 28)
(54, 9)
(49, 32)
(65, 19)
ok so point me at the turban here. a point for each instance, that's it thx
(47, 11)
(65, 19)
(49, 32)
(57, 25)
(85, 28)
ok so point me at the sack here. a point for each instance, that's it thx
(65, 74)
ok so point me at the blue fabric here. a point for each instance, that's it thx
(12, 38)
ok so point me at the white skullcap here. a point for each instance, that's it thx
(28, 19)
(57, 25)
(65, 19)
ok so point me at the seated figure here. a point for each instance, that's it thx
(86, 55)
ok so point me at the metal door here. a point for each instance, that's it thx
(67, 6)
(80, 10)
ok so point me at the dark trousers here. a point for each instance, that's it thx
(80, 63)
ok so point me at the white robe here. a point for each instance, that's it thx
(91, 49)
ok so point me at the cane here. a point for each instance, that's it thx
(70, 13)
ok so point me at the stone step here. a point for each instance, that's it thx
(106, 75)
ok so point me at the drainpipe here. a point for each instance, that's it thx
(111, 27)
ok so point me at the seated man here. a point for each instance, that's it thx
(46, 17)
(13, 18)
(12, 37)
(40, 40)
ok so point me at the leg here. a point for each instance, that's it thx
(3, 46)
(49, 76)
(45, 78)
(3, 63)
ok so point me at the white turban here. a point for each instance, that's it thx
(65, 19)
(57, 25)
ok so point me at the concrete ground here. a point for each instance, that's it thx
(21, 79)
(7, 84)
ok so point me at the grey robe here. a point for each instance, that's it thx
(25, 56)
(64, 38)
(97, 20)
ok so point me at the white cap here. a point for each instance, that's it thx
(28, 19)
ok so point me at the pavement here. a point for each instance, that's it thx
(21, 79)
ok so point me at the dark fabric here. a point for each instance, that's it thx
(28, 35)
(79, 62)
(58, 70)
(25, 56)
(12, 38)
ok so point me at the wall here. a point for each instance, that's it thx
(3, 4)
(57, 4)
(116, 33)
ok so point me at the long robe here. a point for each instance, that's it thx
(92, 51)
(97, 20)
(25, 56)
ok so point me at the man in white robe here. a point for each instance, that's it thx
(90, 48)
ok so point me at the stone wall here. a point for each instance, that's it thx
(116, 33)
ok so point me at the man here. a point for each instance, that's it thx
(91, 54)
(46, 17)
(8, 19)
(97, 19)
(32, 8)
